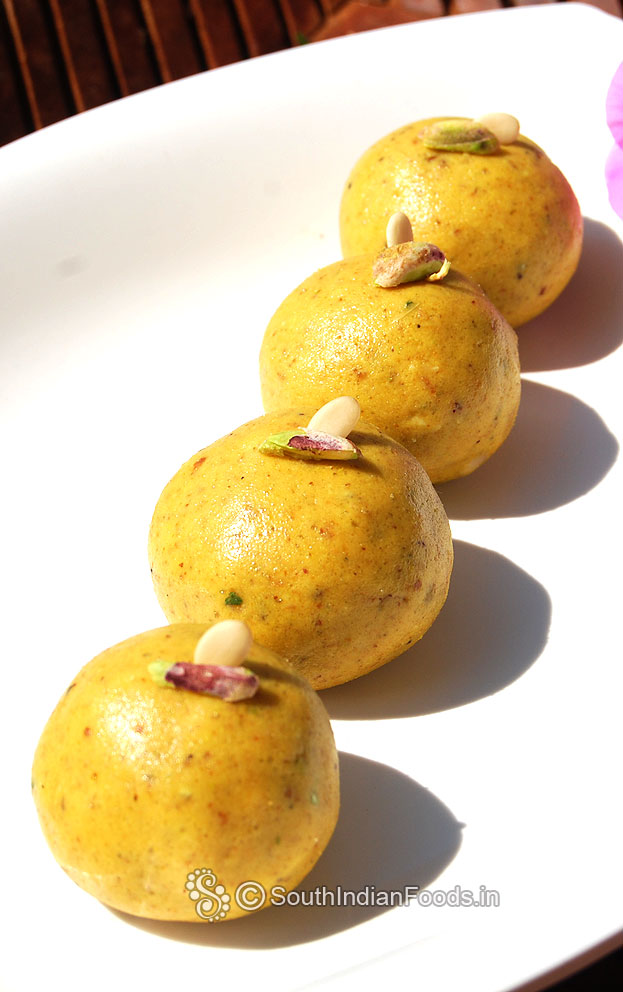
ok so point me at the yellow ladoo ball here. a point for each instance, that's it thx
(508, 219)
(164, 781)
(338, 558)
(432, 363)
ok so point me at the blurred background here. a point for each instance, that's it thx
(60, 57)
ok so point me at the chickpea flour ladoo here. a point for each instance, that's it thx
(328, 539)
(426, 354)
(181, 764)
(489, 197)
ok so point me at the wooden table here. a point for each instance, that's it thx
(59, 57)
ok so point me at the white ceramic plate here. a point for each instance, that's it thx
(144, 247)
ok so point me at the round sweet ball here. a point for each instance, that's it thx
(332, 545)
(171, 773)
(432, 363)
(503, 213)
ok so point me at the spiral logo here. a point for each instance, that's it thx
(211, 900)
(250, 896)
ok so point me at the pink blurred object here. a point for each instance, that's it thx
(614, 163)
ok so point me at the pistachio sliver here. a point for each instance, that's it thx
(460, 136)
(443, 272)
(158, 669)
(228, 683)
(409, 262)
(306, 444)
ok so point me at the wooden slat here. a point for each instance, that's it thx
(50, 89)
(137, 68)
(156, 42)
(15, 118)
(175, 43)
(302, 18)
(263, 27)
(111, 44)
(22, 59)
(63, 44)
(219, 32)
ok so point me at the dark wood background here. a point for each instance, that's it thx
(60, 57)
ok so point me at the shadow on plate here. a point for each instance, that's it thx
(585, 323)
(391, 833)
(492, 628)
(558, 450)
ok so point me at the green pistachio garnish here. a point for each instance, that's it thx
(158, 669)
(310, 445)
(409, 262)
(228, 683)
(460, 136)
